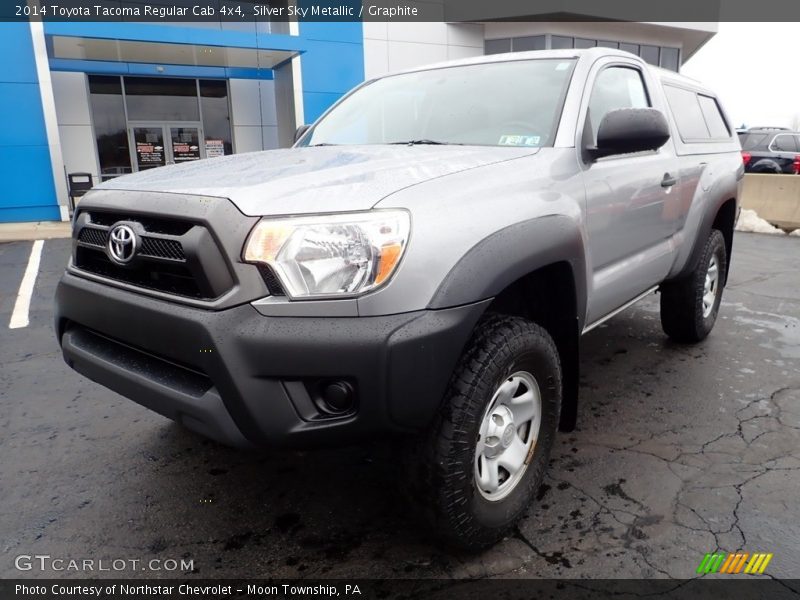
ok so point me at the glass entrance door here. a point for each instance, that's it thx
(159, 144)
(148, 145)
(184, 143)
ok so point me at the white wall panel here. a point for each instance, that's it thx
(247, 138)
(269, 138)
(269, 113)
(405, 55)
(374, 30)
(465, 34)
(376, 58)
(71, 98)
(426, 33)
(459, 52)
(245, 102)
(79, 149)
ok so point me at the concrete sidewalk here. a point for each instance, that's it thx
(42, 230)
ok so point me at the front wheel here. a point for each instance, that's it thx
(689, 307)
(487, 452)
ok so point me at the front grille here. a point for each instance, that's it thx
(165, 277)
(151, 224)
(150, 246)
(161, 248)
(93, 237)
(174, 256)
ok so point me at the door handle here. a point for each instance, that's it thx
(668, 180)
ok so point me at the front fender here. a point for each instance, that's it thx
(509, 254)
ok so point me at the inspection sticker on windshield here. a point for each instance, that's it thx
(519, 140)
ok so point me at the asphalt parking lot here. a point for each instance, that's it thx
(679, 451)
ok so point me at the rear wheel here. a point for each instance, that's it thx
(689, 307)
(486, 455)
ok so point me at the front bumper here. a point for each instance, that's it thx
(245, 379)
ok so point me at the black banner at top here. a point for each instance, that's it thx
(248, 11)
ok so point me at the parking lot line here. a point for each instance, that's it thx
(19, 317)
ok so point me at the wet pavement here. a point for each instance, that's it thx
(679, 451)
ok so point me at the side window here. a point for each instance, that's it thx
(714, 119)
(688, 114)
(614, 88)
(784, 143)
(755, 141)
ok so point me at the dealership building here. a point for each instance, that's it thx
(111, 98)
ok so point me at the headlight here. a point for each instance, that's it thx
(330, 255)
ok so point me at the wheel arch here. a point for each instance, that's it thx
(720, 215)
(537, 270)
(547, 296)
(724, 221)
(512, 253)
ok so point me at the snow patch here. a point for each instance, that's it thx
(750, 221)
(796, 233)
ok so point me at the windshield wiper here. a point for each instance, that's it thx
(320, 145)
(423, 142)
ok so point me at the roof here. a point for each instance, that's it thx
(533, 54)
(585, 53)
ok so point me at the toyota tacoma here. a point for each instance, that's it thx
(421, 263)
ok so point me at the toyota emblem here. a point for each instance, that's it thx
(122, 244)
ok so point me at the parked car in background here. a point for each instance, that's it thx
(770, 150)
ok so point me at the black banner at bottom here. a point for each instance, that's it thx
(433, 589)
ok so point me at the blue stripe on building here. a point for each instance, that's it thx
(26, 176)
(332, 65)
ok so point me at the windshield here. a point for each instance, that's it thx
(515, 103)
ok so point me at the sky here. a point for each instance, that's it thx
(752, 67)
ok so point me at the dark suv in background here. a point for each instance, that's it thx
(770, 150)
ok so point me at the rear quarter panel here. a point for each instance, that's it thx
(710, 175)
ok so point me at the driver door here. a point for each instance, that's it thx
(629, 216)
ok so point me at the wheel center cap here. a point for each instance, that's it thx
(508, 435)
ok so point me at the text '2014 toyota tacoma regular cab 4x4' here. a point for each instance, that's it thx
(423, 261)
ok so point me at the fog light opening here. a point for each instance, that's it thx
(337, 397)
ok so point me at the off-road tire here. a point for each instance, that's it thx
(442, 478)
(682, 316)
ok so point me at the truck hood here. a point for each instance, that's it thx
(309, 180)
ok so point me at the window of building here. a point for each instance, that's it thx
(615, 88)
(531, 42)
(558, 42)
(688, 114)
(161, 99)
(110, 126)
(649, 54)
(670, 58)
(176, 110)
(666, 57)
(497, 46)
(216, 116)
(632, 48)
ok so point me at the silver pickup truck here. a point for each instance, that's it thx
(422, 263)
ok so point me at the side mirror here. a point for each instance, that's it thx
(300, 131)
(628, 130)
